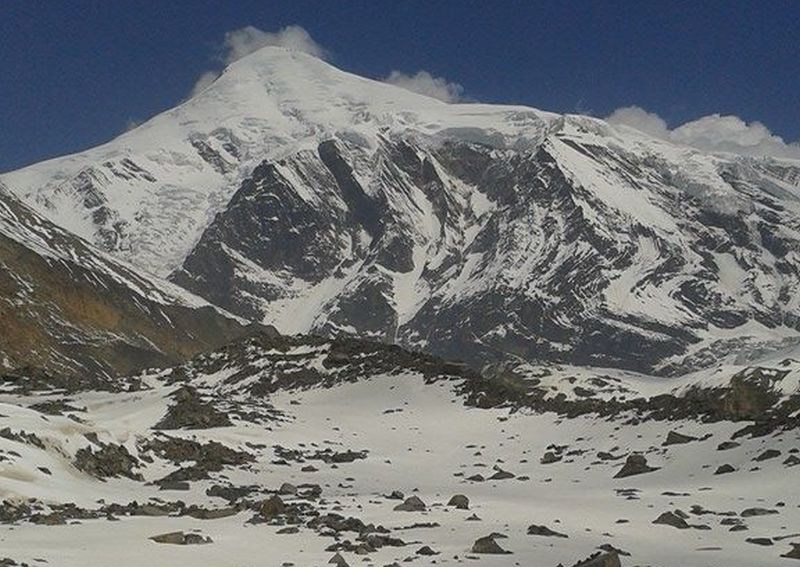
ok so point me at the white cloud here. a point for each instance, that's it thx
(425, 83)
(715, 133)
(639, 118)
(244, 41)
(248, 39)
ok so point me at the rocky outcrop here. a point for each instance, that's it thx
(109, 460)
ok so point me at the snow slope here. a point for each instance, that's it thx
(404, 429)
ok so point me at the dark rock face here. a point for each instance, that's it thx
(108, 461)
(635, 464)
(68, 310)
(486, 233)
(190, 412)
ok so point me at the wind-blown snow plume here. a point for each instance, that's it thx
(715, 133)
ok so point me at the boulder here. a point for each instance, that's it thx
(210, 513)
(768, 454)
(459, 501)
(671, 519)
(759, 540)
(600, 559)
(635, 464)
(180, 538)
(675, 438)
(426, 550)
(271, 507)
(549, 458)
(500, 474)
(411, 504)
(794, 553)
(544, 531)
(487, 545)
(751, 512)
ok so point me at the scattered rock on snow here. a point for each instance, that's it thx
(759, 540)
(180, 538)
(411, 504)
(426, 550)
(271, 507)
(544, 531)
(338, 560)
(487, 545)
(751, 512)
(794, 553)
(671, 519)
(600, 559)
(768, 454)
(675, 438)
(635, 464)
(459, 501)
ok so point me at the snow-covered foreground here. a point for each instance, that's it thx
(421, 440)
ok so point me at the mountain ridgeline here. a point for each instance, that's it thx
(293, 194)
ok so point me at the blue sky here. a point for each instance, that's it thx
(74, 74)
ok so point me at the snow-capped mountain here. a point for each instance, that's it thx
(292, 193)
(73, 310)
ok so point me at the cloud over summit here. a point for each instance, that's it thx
(241, 42)
(246, 40)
